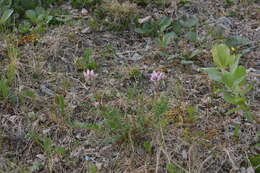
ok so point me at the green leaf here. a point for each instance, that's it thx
(190, 22)
(186, 62)
(239, 76)
(236, 100)
(236, 41)
(164, 23)
(172, 169)
(235, 62)
(170, 36)
(228, 79)
(191, 36)
(221, 55)
(31, 14)
(195, 53)
(255, 160)
(7, 13)
(214, 74)
(161, 107)
(4, 88)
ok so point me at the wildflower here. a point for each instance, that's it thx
(156, 76)
(96, 104)
(233, 49)
(89, 75)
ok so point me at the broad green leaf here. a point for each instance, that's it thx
(233, 99)
(31, 15)
(246, 89)
(7, 13)
(236, 41)
(214, 74)
(191, 36)
(195, 53)
(217, 32)
(140, 30)
(221, 55)
(176, 26)
(231, 111)
(169, 37)
(190, 22)
(164, 23)
(228, 79)
(235, 63)
(239, 76)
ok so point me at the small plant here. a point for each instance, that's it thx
(39, 17)
(47, 145)
(61, 103)
(135, 73)
(116, 125)
(231, 75)
(156, 76)
(158, 29)
(148, 147)
(4, 89)
(119, 16)
(5, 14)
(86, 62)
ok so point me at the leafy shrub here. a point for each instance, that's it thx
(232, 75)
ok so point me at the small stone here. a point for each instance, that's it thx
(40, 156)
(98, 165)
(145, 19)
(136, 57)
(87, 30)
(184, 154)
(46, 90)
(84, 12)
(45, 131)
(250, 170)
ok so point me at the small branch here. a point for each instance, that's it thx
(231, 160)
(171, 161)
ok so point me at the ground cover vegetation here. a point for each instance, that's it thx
(136, 86)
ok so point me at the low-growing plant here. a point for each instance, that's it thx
(87, 61)
(119, 16)
(232, 75)
(135, 73)
(39, 17)
(5, 14)
(116, 125)
(47, 145)
(158, 29)
(4, 89)
(61, 104)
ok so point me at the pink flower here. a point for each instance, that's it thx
(89, 75)
(96, 104)
(156, 76)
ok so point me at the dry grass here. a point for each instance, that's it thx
(193, 133)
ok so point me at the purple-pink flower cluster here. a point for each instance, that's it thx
(156, 76)
(89, 75)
